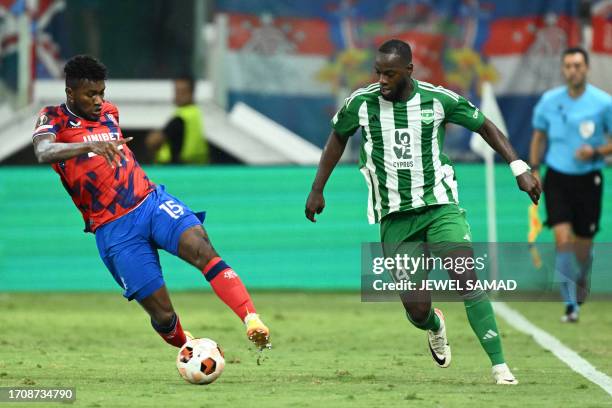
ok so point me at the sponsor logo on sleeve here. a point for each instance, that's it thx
(42, 121)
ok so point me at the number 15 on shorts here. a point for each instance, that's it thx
(173, 209)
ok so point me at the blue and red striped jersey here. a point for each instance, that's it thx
(100, 192)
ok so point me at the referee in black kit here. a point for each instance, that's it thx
(575, 121)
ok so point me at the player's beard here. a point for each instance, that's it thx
(92, 117)
(76, 109)
(396, 92)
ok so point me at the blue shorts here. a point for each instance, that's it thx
(128, 245)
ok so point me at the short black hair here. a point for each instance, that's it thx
(189, 79)
(576, 50)
(83, 67)
(399, 48)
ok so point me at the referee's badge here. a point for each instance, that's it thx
(111, 117)
(587, 128)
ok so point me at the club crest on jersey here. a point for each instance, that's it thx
(111, 117)
(75, 124)
(427, 116)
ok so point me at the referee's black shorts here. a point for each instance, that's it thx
(575, 199)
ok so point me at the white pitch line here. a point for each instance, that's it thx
(552, 344)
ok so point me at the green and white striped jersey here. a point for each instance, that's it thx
(401, 145)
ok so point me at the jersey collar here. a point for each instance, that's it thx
(415, 85)
(67, 109)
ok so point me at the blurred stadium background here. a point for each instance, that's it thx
(270, 75)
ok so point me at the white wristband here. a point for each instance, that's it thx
(519, 167)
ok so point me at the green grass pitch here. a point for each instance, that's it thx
(329, 350)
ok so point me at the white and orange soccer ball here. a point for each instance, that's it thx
(200, 361)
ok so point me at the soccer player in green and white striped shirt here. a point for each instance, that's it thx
(412, 186)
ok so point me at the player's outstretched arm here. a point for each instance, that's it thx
(48, 151)
(329, 158)
(525, 180)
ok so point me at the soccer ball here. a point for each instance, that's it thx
(200, 361)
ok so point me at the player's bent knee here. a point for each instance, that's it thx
(158, 306)
(196, 248)
(163, 317)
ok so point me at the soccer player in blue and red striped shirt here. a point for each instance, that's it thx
(130, 216)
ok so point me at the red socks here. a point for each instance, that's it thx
(228, 287)
(173, 334)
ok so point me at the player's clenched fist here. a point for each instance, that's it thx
(314, 204)
(531, 185)
(110, 150)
